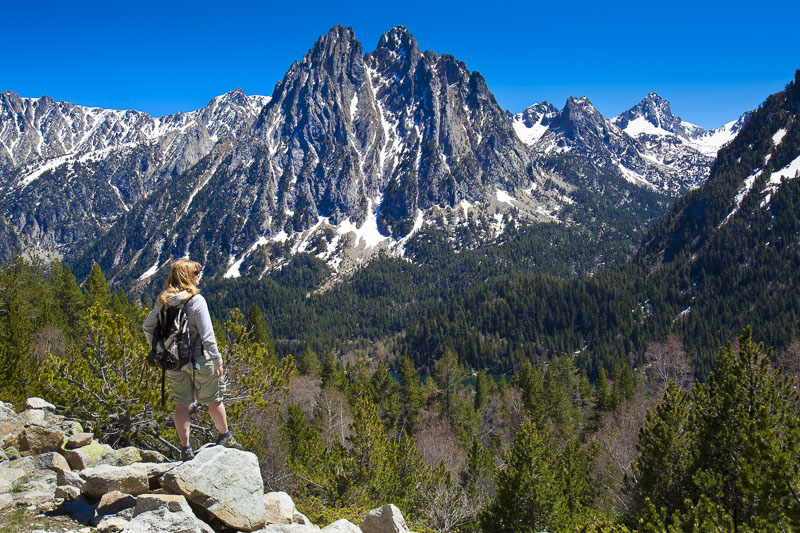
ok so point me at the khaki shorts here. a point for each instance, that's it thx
(207, 388)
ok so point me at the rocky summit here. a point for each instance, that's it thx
(44, 468)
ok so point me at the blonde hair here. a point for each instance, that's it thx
(181, 278)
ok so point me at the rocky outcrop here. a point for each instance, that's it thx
(225, 482)
(386, 519)
(131, 490)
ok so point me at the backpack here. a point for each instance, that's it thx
(171, 348)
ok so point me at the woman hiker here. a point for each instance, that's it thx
(204, 375)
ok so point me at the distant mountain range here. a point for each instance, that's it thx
(352, 154)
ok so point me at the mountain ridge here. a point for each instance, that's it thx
(351, 155)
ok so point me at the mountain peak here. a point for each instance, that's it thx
(400, 41)
(652, 115)
(339, 39)
(580, 105)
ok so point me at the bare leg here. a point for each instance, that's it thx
(217, 412)
(182, 423)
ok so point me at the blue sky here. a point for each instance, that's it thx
(711, 60)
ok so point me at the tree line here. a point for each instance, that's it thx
(644, 448)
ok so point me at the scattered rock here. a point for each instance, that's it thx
(386, 519)
(36, 440)
(342, 526)
(10, 476)
(38, 403)
(32, 417)
(279, 507)
(3, 456)
(288, 528)
(9, 423)
(50, 461)
(164, 513)
(106, 478)
(150, 456)
(39, 493)
(78, 440)
(114, 502)
(224, 481)
(12, 453)
(68, 478)
(86, 456)
(6, 501)
(111, 524)
(122, 457)
(67, 493)
(154, 471)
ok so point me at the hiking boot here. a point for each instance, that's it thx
(228, 441)
(187, 454)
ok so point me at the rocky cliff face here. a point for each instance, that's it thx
(346, 158)
(70, 172)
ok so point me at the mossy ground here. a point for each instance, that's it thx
(20, 519)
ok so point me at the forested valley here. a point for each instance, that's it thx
(559, 379)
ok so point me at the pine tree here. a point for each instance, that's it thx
(104, 381)
(665, 445)
(258, 330)
(448, 374)
(624, 384)
(530, 382)
(478, 479)
(529, 496)
(17, 366)
(308, 363)
(604, 399)
(95, 289)
(482, 389)
(748, 456)
(385, 392)
(730, 456)
(411, 400)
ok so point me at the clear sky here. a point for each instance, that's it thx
(712, 60)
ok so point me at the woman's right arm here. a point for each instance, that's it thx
(150, 323)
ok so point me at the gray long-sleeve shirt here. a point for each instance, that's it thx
(201, 332)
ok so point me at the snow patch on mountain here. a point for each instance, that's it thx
(746, 188)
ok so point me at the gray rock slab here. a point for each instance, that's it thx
(39, 403)
(67, 493)
(280, 508)
(36, 440)
(79, 440)
(50, 461)
(155, 471)
(151, 456)
(10, 476)
(111, 524)
(342, 526)
(114, 502)
(106, 478)
(386, 519)
(6, 501)
(166, 513)
(122, 457)
(86, 456)
(32, 417)
(288, 528)
(224, 481)
(69, 478)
